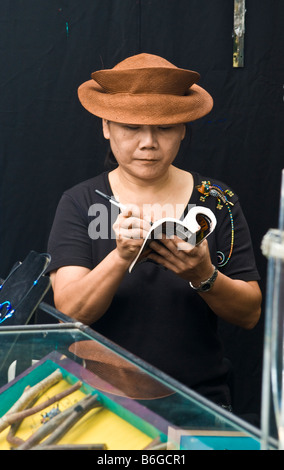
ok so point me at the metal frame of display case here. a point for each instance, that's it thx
(226, 420)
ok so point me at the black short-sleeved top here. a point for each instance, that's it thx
(155, 314)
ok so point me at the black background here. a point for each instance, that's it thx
(48, 142)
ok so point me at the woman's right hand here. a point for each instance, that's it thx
(130, 230)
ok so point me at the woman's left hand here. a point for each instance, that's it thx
(192, 263)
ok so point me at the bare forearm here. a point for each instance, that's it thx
(235, 301)
(86, 294)
(87, 298)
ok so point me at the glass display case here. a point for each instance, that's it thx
(133, 405)
(272, 412)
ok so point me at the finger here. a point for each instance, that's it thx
(133, 222)
(133, 233)
(180, 265)
(169, 244)
(167, 252)
(136, 228)
(131, 210)
(187, 248)
(128, 248)
(165, 262)
(131, 228)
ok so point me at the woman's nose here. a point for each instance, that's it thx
(148, 137)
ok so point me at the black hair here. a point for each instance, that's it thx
(110, 160)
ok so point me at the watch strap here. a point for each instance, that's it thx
(205, 286)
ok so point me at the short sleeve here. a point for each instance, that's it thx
(69, 243)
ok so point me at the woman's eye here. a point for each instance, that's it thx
(165, 128)
(132, 128)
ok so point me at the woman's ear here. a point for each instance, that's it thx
(106, 133)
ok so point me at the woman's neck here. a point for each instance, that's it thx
(173, 188)
(125, 184)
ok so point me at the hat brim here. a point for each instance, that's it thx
(146, 109)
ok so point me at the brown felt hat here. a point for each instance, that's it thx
(145, 89)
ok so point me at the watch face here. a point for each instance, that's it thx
(206, 286)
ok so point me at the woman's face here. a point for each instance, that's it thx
(144, 151)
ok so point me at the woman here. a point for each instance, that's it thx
(168, 316)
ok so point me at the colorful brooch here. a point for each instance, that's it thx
(207, 189)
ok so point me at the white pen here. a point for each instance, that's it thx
(110, 199)
(113, 201)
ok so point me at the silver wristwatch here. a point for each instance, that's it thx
(205, 286)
